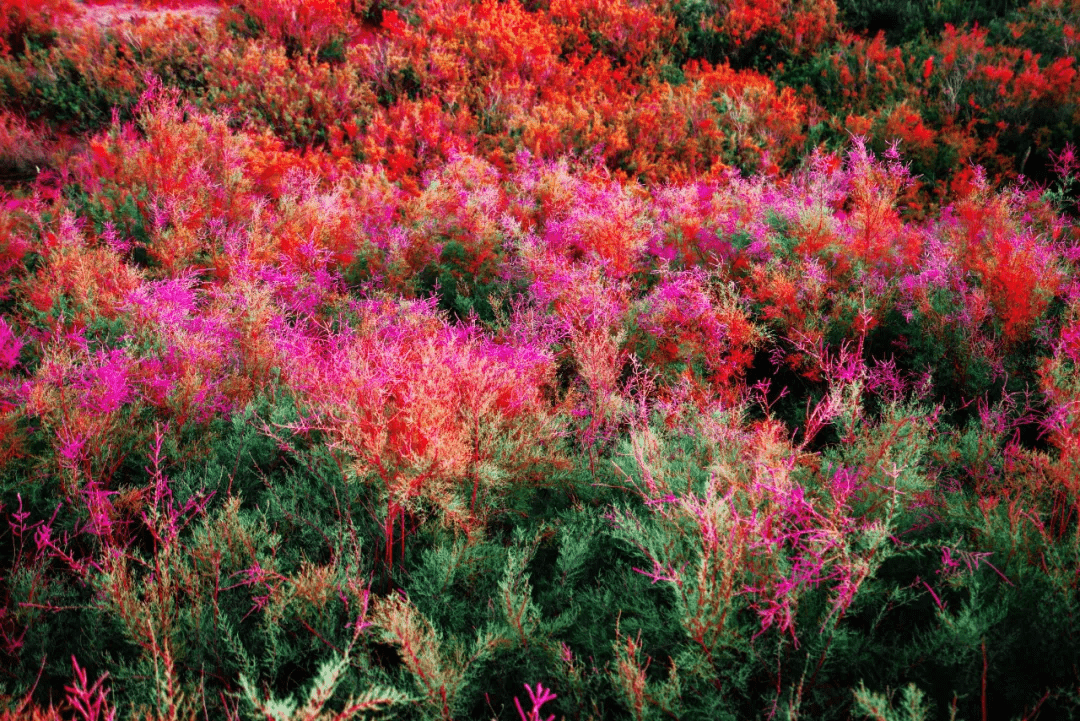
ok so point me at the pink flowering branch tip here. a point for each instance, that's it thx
(538, 697)
(89, 701)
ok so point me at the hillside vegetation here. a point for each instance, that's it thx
(566, 359)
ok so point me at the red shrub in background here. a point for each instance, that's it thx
(1018, 270)
(416, 254)
(29, 17)
(299, 98)
(803, 26)
(630, 35)
(310, 24)
(167, 180)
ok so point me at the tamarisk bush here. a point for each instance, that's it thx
(424, 408)
(670, 360)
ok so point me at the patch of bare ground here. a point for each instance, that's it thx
(112, 13)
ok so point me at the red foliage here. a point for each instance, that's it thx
(29, 17)
(312, 24)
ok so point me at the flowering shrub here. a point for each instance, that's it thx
(310, 25)
(22, 20)
(693, 360)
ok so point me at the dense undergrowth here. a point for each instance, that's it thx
(693, 360)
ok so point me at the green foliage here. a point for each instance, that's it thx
(61, 92)
(880, 708)
(465, 282)
(287, 435)
(373, 701)
(906, 20)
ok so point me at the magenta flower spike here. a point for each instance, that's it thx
(538, 697)
(89, 700)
